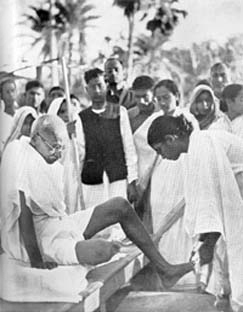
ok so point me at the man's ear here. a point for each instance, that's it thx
(169, 138)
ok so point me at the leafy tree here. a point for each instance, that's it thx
(69, 24)
(161, 26)
(130, 8)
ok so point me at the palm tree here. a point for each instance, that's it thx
(40, 24)
(76, 18)
(69, 25)
(130, 8)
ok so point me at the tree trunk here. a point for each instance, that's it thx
(130, 46)
(53, 48)
(70, 57)
(39, 73)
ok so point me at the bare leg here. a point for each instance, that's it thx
(206, 251)
(118, 210)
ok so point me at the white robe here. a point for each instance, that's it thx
(213, 185)
(24, 169)
(166, 192)
(237, 126)
(147, 157)
(71, 161)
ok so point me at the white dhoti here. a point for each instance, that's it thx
(95, 195)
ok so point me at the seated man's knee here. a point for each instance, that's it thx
(123, 205)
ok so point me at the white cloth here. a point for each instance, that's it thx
(24, 169)
(237, 126)
(97, 194)
(219, 119)
(166, 192)
(71, 162)
(21, 283)
(18, 121)
(213, 184)
(146, 155)
(5, 128)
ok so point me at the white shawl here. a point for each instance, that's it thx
(147, 157)
(213, 187)
(71, 161)
(24, 169)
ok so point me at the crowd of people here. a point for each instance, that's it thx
(75, 180)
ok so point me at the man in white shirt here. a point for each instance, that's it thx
(8, 105)
(219, 78)
(107, 149)
(116, 84)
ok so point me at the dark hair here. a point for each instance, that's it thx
(92, 73)
(9, 80)
(33, 84)
(168, 125)
(217, 65)
(203, 82)
(74, 97)
(143, 82)
(113, 59)
(230, 92)
(56, 88)
(171, 86)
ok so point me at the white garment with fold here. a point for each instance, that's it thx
(147, 157)
(98, 194)
(71, 162)
(21, 283)
(5, 128)
(24, 169)
(213, 187)
(237, 126)
(166, 192)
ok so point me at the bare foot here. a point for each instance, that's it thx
(174, 273)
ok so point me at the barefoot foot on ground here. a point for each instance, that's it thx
(174, 273)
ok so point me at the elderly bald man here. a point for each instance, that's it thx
(36, 227)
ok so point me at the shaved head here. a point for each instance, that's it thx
(51, 126)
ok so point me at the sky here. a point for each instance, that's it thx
(207, 19)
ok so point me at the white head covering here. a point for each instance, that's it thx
(198, 90)
(18, 121)
(213, 115)
(55, 106)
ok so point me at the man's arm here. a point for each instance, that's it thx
(27, 231)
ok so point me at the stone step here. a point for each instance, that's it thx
(169, 302)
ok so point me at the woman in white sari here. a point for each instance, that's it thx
(167, 178)
(205, 107)
(213, 190)
(21, 125)
(72, 166)
(167, 187)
